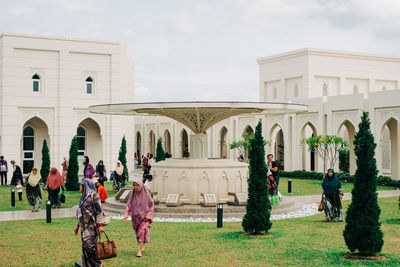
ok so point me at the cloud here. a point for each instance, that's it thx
(78, 5)
(180, 20)
(21, 10)
(142, 92)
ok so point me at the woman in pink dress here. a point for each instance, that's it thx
(141, 208)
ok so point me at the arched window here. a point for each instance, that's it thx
(325, 90)
(28, 147)
(355, 89)
(275, 93)
(89, 85)
(36, 83)
(81, 139)
(296, 91)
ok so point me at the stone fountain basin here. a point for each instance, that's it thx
(192, 177)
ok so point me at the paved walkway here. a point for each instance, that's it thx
(70, 212)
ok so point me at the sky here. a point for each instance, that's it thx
(186, 50)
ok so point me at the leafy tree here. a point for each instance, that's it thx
(328, 147)
(160, 154)
(257, 216)
(72, 182)
(45, 168)
(344, 160)
(122, 156)
(362, 231)
(244, 144)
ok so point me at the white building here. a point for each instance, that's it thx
(336, 85)
(46, 87)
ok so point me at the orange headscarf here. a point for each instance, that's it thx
(54, 180)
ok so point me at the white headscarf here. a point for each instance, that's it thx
(119, 170)
(34, 179)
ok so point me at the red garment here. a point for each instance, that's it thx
(102, 192)
(54, 180)
(145, 161)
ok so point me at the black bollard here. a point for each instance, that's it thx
(48, 211)
(219, 215)
(289, 186)
(12, 198)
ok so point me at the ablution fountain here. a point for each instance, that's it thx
(198, 180)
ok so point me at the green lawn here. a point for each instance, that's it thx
(302, 242)
(71, 198)
(302, 187)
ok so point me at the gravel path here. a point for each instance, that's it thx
(307, 210)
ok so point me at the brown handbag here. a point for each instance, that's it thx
(106, 249)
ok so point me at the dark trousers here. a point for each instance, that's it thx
(53, 196)
(20, 196)
(3, 175)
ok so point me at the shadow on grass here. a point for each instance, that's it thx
(237, 236)
(334, 258)
(392, 221)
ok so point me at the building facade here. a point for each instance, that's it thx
(337, 86)
(46, 87)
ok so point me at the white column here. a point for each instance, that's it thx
(198, 146)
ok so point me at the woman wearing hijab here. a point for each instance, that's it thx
(54, 182)
(101, 172)
(119, 176)
(332, 195)
(64, 169)
(32, 189)
(89, 207)
(141, 208)
(17, 174)
(88, 171)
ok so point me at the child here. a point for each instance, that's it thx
(148, 182)
(19, 189)
(102, 193)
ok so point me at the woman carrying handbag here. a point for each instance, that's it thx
(89, 208)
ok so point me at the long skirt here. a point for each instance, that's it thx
(53, 196)
(64, 176)
(118, 181)
(333, 208)
(34, 196)
(89, 237)
(142, 231)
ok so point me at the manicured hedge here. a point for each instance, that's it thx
(382, 180)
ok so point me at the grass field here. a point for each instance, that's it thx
(302, 242)
(71, 198)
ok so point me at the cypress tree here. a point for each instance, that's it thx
(362, 231)
(160, 153)
(45, 168)
(122, 156)
(72, 183)
(257, 216)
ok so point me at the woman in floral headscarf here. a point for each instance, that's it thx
(140, 207)
(54, 183)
